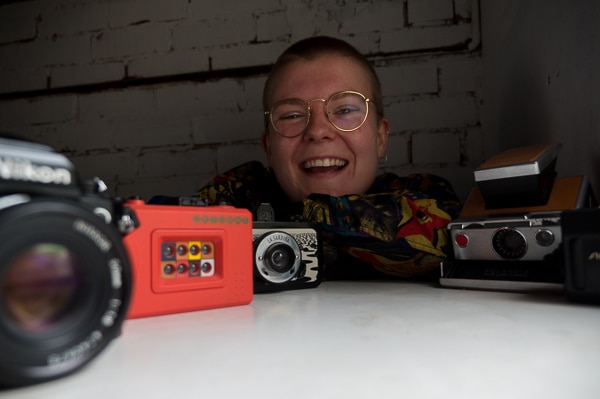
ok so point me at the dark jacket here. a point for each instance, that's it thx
(397, 228)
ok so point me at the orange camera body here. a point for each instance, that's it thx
(186, 258)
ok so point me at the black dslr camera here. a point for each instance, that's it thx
(65, 278)
(286, 256)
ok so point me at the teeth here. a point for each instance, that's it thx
(316, 163)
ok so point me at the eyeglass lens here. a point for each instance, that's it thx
(346, 111)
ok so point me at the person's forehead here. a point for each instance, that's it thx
(319, 78)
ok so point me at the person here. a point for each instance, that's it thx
(325, 135)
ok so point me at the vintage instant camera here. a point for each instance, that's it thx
(511, 224)
(287, 255)
(65, 277)
(189, 256)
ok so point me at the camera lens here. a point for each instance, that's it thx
(65, 287)
(280, 258)
(509, 243)
(181, 250)
(277, 257)
(40, 285)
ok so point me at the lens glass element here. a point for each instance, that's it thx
(509, 243)
(280, 258)
(39, 286)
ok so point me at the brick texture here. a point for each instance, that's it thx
(156, 97)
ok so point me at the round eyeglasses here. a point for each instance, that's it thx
(346, 111)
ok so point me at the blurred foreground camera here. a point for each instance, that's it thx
(65, 278)
(287, 256)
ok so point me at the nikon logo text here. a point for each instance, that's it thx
(594, 256)
(22, 169)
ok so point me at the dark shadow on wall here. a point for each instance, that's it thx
(542, 80)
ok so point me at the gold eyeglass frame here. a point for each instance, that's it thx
(325, 101)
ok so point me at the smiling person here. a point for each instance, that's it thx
(325, 134)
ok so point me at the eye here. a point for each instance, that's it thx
(346, 104)
(290, 115)
(345, 109)
(289, 111)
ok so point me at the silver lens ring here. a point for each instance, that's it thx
(277, 257)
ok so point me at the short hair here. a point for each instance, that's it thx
(313, 47)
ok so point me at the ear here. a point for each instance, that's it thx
(383, 132)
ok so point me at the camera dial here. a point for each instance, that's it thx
(277, 257)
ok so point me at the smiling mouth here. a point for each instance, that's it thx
(324, 165)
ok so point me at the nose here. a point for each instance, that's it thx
(319, 127)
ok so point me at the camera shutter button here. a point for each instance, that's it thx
(462, 240)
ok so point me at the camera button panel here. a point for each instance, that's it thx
(187, 259)
(525, 237)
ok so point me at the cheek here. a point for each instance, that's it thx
(280, 152)
(365, 147)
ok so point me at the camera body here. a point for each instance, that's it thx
(581, 244)
(510, 229)
(512, 249)
(525, 237)
(189, 257)
(286, 255)
(65, 278)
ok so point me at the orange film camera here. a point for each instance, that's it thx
(188, 257)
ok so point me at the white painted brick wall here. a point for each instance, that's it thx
(74, 75)
(157, 97)
(122, 43)
(460, 75)
(436, 148)
(430, 12)
(364, 18)
(18, 22)
(176, 63)
(401, 80)
(398, 151)
(434, 113)
(63, 18)
(130, 12)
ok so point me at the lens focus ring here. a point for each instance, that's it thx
(509, 243)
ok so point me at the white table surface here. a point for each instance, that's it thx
(352, 340)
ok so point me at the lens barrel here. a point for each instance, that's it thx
(65, 286)
(277, 257)
(509, 243)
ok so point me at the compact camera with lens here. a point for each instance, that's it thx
(65, 276)
(188, 256)
(287, 255)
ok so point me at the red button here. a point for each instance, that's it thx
(462, 240)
